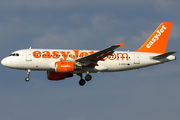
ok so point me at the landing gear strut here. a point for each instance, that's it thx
(82, 82)
(28, 73)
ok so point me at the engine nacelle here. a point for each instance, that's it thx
(66, 67)
(52, 75)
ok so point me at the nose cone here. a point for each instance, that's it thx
(7, 62)
(10, 62)
(4, 62)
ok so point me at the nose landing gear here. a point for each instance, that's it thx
(28, 73)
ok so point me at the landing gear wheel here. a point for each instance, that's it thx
(27, 79)
(82, 82)
(28, 73)
(88, 77)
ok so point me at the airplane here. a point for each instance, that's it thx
(61, 64)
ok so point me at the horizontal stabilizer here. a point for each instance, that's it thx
(163, 55)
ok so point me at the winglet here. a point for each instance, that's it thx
(122, 44)
(157, 42)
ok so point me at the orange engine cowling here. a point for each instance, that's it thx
(52, 75)
(66, 67)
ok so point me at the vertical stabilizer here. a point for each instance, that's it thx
(157, 42)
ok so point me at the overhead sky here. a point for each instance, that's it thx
(151, 93)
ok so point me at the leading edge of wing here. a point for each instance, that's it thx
(97, 56)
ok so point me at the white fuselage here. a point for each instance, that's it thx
(45, 59)
(61, 64)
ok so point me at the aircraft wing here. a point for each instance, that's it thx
(92, 59)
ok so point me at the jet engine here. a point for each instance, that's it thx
(66, 67)
(52, 75)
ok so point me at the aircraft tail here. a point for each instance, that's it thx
(157, 42)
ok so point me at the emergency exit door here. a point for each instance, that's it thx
(28, 55)
(136, 58)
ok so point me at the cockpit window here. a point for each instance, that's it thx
(14, 54)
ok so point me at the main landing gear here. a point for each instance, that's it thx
(28, 73)
(82, 81)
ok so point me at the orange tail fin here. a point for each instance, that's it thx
(157, 42)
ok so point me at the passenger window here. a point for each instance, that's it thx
(14, 54)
